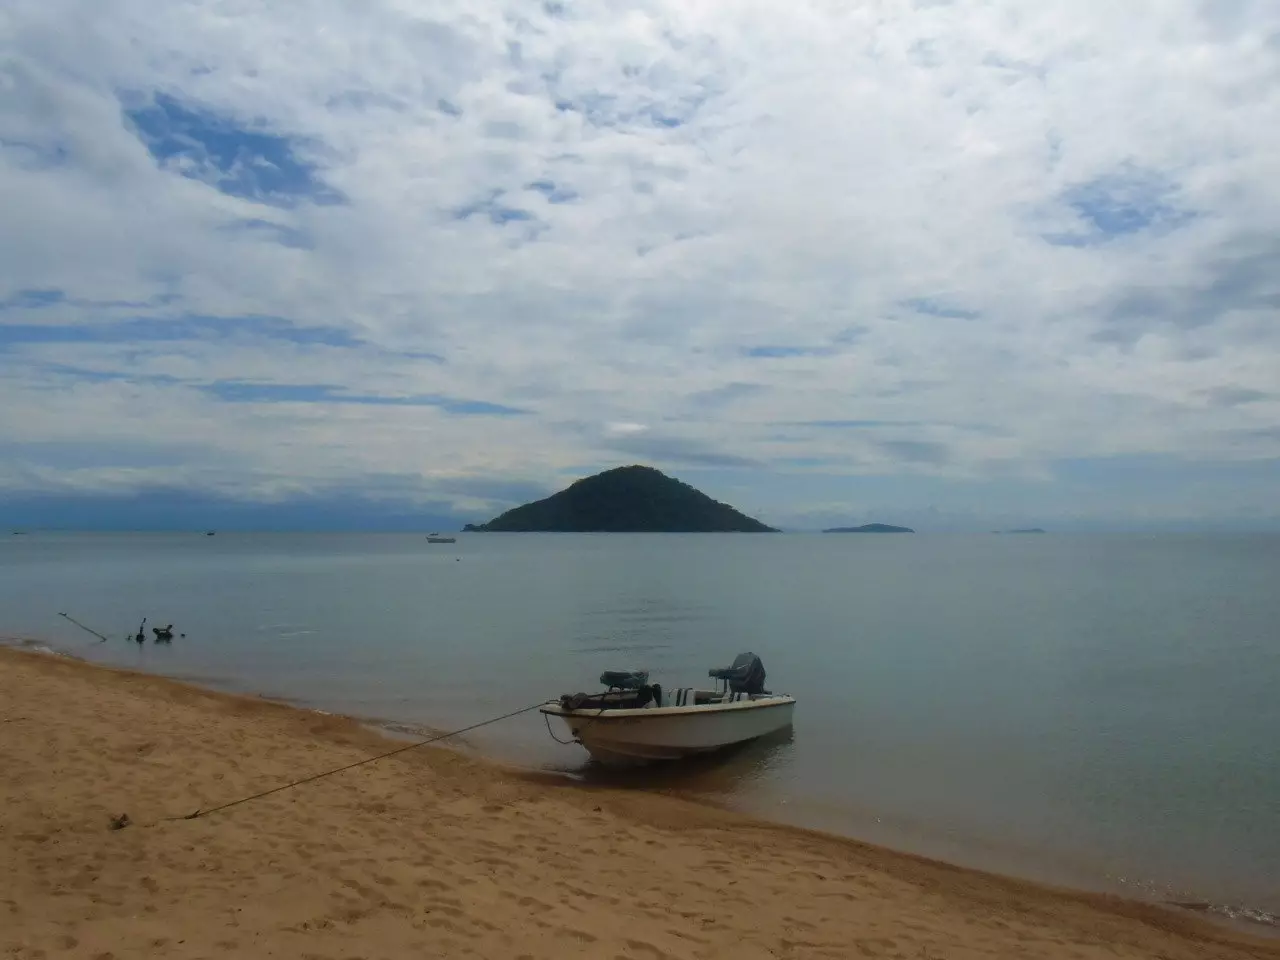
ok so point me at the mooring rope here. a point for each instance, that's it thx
(552, 734)
(101, 638)
(358, 763)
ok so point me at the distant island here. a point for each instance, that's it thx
(871, 528)
(633, 499)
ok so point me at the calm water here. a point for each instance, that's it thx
(1091, 709)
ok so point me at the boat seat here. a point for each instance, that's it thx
(624, 679)
(736, 696)
(679, 697)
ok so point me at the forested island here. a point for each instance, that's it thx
(634, 499)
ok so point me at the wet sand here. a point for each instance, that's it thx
(434, 854)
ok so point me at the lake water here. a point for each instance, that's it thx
(1097, 710)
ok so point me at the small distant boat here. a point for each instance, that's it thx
(210, 533)
(436, 538)
(635, 722)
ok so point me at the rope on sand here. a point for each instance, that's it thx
(358, 763)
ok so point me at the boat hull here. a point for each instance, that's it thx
(630, 737)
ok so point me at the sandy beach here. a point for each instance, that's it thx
(432, 854)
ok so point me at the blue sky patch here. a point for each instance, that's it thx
(497, 213)
(1129, 201)
(40, 299)
(553, 191)
(194, 327)
(240, 160)
(106, 376)
(237, 391)
(33, 299)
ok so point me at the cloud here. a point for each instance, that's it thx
(933, 308)
(625, 429)
(162, 508)
(780, 352)
(1235, 396)
(277, 232)
(956, 243)
(672, 451)
(855, 424)
(917, 451)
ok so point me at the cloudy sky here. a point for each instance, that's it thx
(952, 263)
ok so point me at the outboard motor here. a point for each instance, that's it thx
(745, 675)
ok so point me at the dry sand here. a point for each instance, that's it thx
(430, 854)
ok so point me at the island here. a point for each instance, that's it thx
(871, 528)
(634, 499)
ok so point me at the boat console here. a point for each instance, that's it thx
(631, 689)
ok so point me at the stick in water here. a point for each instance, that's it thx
(101, 638)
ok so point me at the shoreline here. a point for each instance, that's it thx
(786, 879)
(1025, 866)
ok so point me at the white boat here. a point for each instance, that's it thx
(636, 722)
(436, 538)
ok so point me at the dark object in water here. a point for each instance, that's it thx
(209, 533)
(141, 636)
(163, 634)
(120, 822)
(744, 675)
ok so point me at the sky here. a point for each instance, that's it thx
(367, 264)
